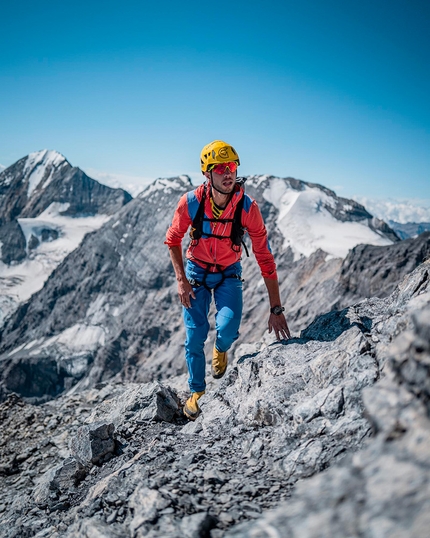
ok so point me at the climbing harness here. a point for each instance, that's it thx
(196, 283)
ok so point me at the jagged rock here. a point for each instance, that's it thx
(370, 271)
(58, 480)
(12, 242)
(146, 504)
(34, 378)
(93, 442)
(93, 528)
(138, 404)
(383, 490)
(197, 525)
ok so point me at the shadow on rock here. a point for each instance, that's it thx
(330, 326)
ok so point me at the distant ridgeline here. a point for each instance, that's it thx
(410, 229)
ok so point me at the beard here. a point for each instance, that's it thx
(224, 190)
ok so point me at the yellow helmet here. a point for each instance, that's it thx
(217, 152)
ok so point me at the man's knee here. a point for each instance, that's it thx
(227, 330)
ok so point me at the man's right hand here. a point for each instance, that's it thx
(185, 291)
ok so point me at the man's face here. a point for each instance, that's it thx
(223, 183)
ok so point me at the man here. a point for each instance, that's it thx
(218, 213)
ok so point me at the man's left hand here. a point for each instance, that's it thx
(280, 326)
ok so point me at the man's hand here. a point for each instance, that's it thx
(185, 290)
(279, 325)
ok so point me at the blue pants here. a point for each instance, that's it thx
(228, 302)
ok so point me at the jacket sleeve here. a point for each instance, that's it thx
(260, 244)
(180, 224)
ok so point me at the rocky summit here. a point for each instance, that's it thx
(324, 435)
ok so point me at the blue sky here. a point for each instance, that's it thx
(330, 92)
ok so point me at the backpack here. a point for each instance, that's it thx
(237, 231)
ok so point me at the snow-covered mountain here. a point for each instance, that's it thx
(312, 217)
(110, 309)
(32, 184)
(46, 208)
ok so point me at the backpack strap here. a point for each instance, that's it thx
(237, 231)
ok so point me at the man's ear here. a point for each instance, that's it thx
(207, 175)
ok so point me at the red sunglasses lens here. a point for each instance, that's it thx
(221, 168)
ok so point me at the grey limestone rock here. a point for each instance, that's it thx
(384, 489)
(58, 480)
(93, 442)
(326, 435)
(197, 525)
(370, 271)
(138, 404)
(146, 504)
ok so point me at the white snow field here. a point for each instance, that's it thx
(18, 282)
(308, 226)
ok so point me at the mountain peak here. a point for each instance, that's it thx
(46, 156)
(167, 186)
(41, 165)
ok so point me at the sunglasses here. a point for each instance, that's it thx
(222, 168)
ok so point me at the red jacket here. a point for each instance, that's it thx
(219, 251)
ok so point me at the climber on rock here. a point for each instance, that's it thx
(218, 213)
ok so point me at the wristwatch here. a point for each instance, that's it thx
(277, 310)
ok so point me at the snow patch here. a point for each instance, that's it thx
(55, 209)
(256, 181)
(166, 185)
(307, 225)
(79, 337)
(19, 282)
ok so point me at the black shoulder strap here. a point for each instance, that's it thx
(197, 225)
(237, 231)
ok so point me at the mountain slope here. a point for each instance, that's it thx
(111, 308)
(32, 184)
(46, 208)
(331, 430)
(409, 229)
(312, 217)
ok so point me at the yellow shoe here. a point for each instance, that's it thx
(191, 407)
(219, 363)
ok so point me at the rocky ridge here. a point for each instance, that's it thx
(110, 310)
(336, 421)
(409, 229)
